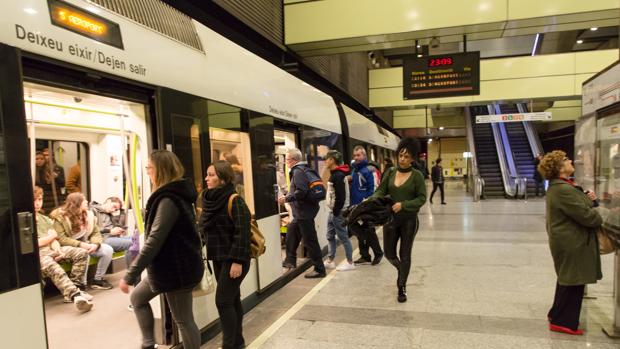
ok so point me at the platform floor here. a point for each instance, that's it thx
(482, 278)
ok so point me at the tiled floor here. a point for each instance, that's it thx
(482, 278)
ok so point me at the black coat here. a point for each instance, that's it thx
(437, 174)
(171, 255)
(369, 213)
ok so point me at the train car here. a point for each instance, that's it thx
(90, 88)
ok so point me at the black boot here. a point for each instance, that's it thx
(402, 294)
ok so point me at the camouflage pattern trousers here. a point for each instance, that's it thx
(65, 283)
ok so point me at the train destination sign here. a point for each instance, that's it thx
(518, 117)
(82, 22)
(442, 76)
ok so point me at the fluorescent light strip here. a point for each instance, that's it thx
(535, 44)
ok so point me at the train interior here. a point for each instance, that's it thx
(97, 146)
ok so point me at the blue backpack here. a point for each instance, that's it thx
(316, 187)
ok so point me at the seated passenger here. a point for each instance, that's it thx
(77, 227)
(50, 256)
(109, 225)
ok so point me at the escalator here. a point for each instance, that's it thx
(520, 146)
(486, 155)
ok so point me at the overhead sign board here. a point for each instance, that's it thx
(519, 117)
(442, 76)
(82, 22)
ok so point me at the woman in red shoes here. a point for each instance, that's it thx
(571, 225)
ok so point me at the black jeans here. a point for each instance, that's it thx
(228, 302)
(304, 229)
(368, 239)
(566, 306)
(440, 186)
(405, 231)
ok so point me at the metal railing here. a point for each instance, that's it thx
(474, 177)
(530, 131)
(521, 188)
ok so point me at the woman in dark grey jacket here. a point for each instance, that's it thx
(571, 226)
(227, 232)
(171, 252)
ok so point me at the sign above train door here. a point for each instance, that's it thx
(442, 76)
(73, 18)
(519, 117)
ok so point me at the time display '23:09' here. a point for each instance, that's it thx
(438, 62)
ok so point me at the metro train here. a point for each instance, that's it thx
(98, 85)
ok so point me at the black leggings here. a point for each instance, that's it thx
(228, 302)
(404, 231)
(435, 187)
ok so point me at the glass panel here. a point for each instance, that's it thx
(585, 139)
(7, 244)
(228, 143)
(263, 163)
(316, 143)
(186, 145)
(283, 140)
(608, 170)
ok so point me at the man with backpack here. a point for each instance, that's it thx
(362, 187)
(304, 195)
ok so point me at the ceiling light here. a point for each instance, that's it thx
(594, 29)
(580, 41)
(419, 55)
(30, 11)
(441, 128)
(430, 140)
(418, 46)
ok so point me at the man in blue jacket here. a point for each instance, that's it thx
(304, 212)
(362, 187)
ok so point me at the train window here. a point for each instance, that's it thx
(316, 143)
(186, 138)
(7, 246)
(58, 169)
(263, 164)
(230, 144)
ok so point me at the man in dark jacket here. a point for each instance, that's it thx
(437, 177)
(362, 187)
(337, 198)
(109, 220)
(304, 211)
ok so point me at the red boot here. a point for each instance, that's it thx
(562, 329)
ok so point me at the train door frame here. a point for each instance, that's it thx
(25, 275)
(51, 72)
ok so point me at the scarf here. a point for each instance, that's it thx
(214, 201)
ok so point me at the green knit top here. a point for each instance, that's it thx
(411, 194)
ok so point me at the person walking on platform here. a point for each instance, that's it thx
(225, 223)
(362, 187)
(437, 177)
(304, 212)
(171, 252)
(405, 185)
(571, 225)
(538, 178)
(337, 199)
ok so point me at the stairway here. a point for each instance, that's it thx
(521, 149)
(486, 155)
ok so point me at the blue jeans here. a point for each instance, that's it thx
(104, 253)
(336, 227)
(119, 243)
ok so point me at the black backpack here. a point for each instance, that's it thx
(316, 187)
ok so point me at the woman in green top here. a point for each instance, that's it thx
(406, 187)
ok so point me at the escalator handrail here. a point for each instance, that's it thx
(508, 176)
(532, 136)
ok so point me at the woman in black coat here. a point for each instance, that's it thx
(171, 252)
(225, 222)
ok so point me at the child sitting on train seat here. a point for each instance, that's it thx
(50, 253)
(111, 221)
(77, 226)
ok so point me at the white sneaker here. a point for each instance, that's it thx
(82, 304)
(89, 297)
(329, 265)
(346, 267)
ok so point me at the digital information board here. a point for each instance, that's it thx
(82, 22)
(442, 76)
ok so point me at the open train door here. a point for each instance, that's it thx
(22, 324)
